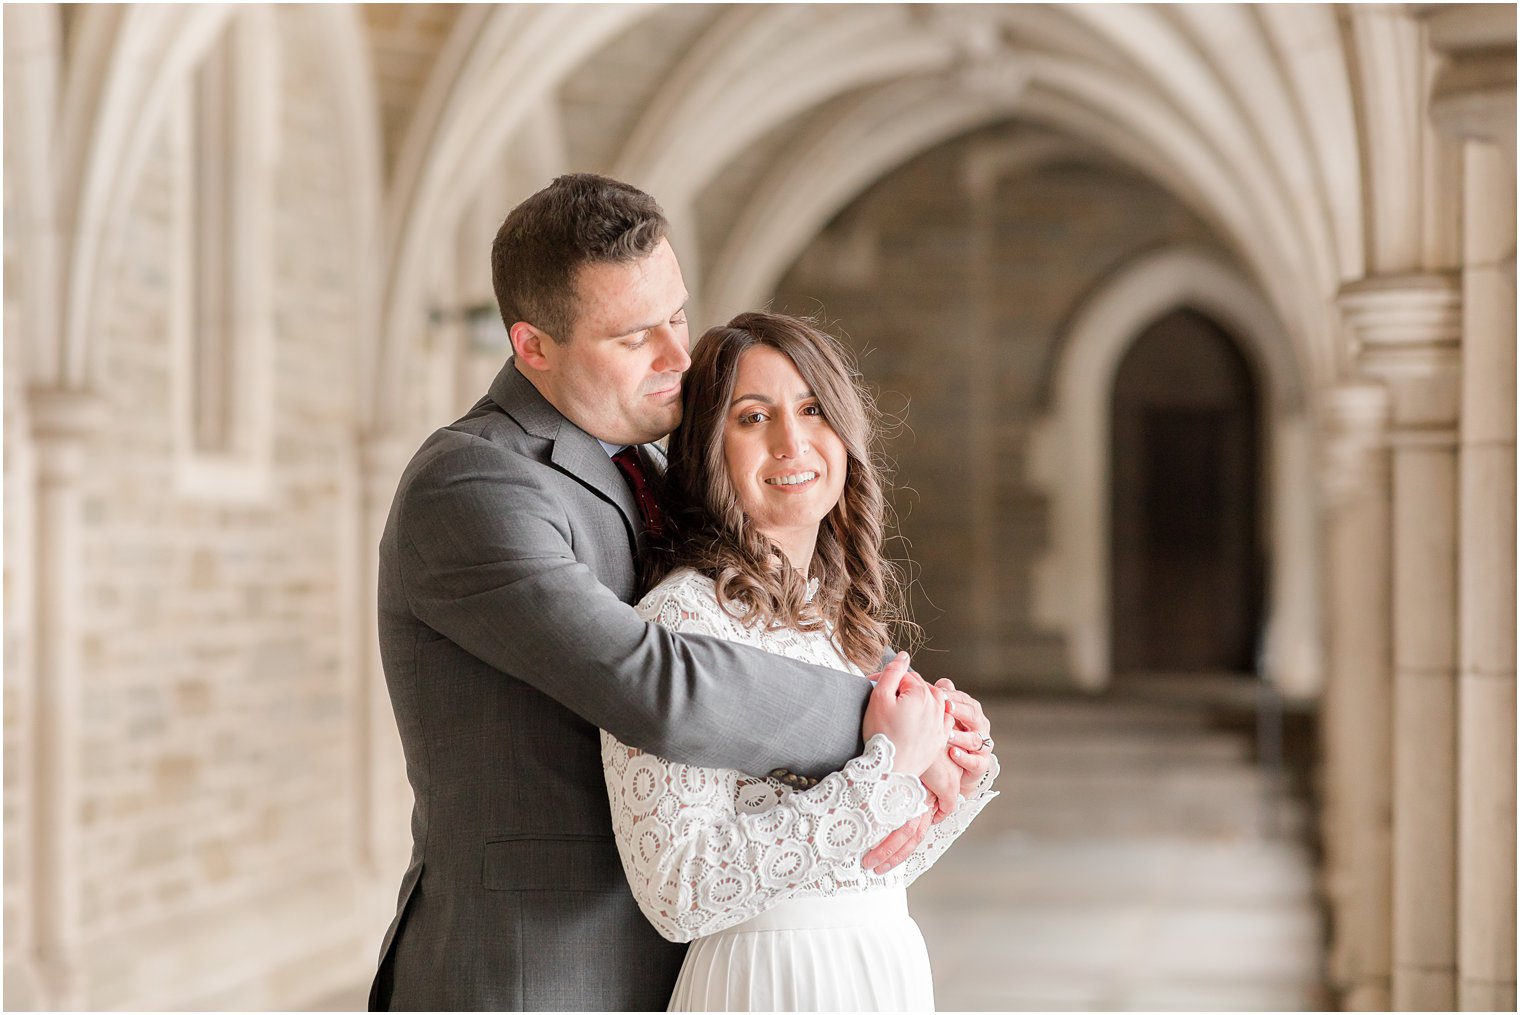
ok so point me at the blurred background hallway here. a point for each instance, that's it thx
(1143, 858)
(1199, 322)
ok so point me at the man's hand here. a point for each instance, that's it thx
(943, 781)
(898, 846)
(970, 748)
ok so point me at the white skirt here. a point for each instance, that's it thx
(859, 952)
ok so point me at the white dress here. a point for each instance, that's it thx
(765, 880)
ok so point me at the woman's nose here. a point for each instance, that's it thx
(791, 441)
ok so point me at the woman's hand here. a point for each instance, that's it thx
(971, 740)
(912, 714)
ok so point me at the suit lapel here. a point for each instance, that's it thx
(572, 450)
(579, 454)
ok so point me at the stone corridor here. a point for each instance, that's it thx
(1138, 859)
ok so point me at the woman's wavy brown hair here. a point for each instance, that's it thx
(860, 591)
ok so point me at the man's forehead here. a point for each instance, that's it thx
(615, 298)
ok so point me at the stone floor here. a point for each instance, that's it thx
(1139, 858)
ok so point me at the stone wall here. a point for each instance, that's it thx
(213, 855)
(895, 275)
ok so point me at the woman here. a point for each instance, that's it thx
(773, 538)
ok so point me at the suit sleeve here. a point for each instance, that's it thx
(500, 579)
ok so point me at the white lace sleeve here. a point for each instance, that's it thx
(943, 834)
(707, 848)
(697, 865)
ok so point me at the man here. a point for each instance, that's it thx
(506, 571)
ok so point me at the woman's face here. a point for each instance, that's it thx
(786, 463)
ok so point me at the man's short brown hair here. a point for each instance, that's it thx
(579, 219)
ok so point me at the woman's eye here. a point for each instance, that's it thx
(752, 417)
(812, 410)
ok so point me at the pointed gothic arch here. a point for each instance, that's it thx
(125, 69)
(1070, 452)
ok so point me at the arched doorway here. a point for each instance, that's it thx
(1185, 544)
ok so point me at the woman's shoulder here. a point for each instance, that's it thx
(683, 587)
(683, 580)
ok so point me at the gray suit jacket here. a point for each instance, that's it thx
(506, 574)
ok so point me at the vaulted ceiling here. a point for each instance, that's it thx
(405, 41)
(755, 124)
(1294, 131)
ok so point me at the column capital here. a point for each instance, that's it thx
(62, 419)
(1407, 332)
(64, 415)
(1404, 325)
(1473, 95)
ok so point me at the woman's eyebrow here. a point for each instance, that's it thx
(765, 398)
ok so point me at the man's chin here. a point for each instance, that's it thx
(659, 426)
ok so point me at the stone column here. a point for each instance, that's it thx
(1486, 689)
(62, 422)
(1358, 702)
(1408, 329)
(1473, 98)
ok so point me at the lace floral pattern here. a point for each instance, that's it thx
(708, 848)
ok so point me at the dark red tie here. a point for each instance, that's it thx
(633, 470)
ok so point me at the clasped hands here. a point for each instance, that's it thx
(954, 774)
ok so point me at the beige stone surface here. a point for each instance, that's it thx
(1425, 557)
(1424, 840)
(1486, 872)
(1488, 619)
(1357, 707)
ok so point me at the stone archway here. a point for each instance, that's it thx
(1070, 462)
(1185, 496)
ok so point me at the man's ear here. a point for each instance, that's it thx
(528, 345)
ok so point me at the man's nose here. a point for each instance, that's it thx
(674, 356)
